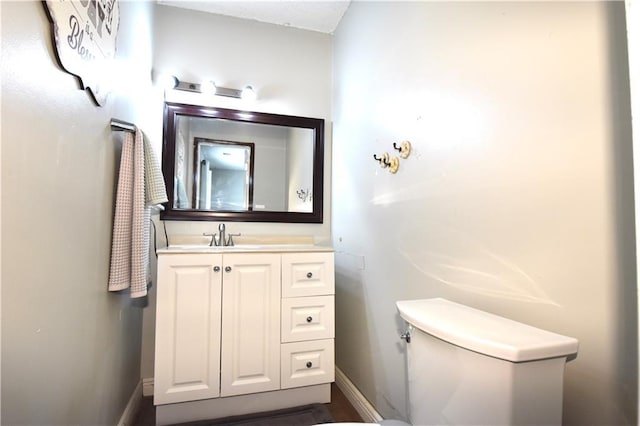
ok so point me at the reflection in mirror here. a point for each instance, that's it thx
(224, 175)
(234, 165)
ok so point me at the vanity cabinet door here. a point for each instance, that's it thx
(188, 321)
(250, 323)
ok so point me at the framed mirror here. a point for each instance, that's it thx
(222, 164)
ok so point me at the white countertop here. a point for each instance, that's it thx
(245, 248)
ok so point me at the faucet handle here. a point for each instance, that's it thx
(213, 238)
(230, 240)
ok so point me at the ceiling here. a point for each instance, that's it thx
(314, 15)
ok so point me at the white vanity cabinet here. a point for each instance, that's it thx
(230, 325)
(217, 325)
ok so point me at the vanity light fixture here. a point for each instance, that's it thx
(189, 87)
(209, 87)
(229, 93)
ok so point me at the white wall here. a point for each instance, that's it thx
(70, 349)
(291, 71)
(517, 199)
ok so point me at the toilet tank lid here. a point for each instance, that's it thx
(483, 332)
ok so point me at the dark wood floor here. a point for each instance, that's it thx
(339, 407)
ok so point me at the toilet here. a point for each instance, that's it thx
(469, 367)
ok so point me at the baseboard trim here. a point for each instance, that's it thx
(147, 387)
(355, 397)
(131, 410)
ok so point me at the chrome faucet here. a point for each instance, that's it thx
(220, 239)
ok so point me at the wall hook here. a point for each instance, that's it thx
(384, 160)
(404, 149)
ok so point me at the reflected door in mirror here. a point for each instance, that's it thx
(224, 175)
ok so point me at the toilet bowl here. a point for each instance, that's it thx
(466, 366)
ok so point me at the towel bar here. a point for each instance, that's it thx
(119, 125)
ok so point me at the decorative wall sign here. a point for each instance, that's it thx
(85, 33)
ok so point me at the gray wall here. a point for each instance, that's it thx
(517, 199)
(70, 349)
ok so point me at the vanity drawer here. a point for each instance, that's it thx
(307, 274)
(307, 363)
(307, 318)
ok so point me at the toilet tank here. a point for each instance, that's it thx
(469, 367)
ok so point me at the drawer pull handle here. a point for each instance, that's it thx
(309, 364)
(309, 319)
(309, 275)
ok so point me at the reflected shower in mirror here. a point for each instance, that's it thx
(235, 165)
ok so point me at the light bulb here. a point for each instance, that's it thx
(248, 94)
(168, 81)
(209, 87)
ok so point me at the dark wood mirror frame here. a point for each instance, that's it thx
(171, 113)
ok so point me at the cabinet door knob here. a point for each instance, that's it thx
(309, 274)
(309, 319)
(227, 268)
(309, 364)
(216, 269)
